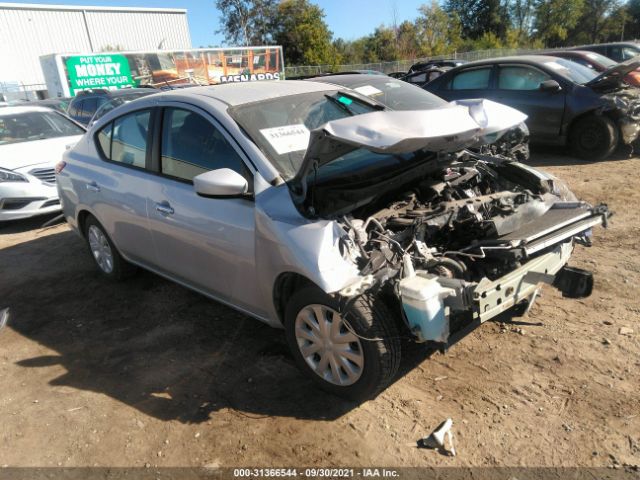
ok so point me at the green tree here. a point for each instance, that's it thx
(593, 23)
(521, 13)
(555, 18)
(617, 27)
(632, 23)
(381, 45)
(478, 17)
(350, 51)
(439, 31)
(408, 40)
(247, 22)
(300, 28)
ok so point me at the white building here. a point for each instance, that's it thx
(28, 31)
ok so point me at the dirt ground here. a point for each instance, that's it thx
(148, 373)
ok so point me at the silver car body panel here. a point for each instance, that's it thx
(233, 249)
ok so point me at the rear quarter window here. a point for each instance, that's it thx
(125, 139)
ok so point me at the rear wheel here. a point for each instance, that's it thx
(104, 253)
(594, 137)
(353, 353)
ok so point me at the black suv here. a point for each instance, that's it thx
(619, 51)
(86, 102)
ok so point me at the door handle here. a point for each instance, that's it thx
(164, 208)
(93, 187)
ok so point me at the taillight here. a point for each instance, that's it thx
(60, 166)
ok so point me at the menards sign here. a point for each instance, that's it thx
(67, 74)
(98, 71)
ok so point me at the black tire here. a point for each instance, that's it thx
(594, 137)
(121, 269)
(368, 317)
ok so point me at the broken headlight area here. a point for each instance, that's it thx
(514, 144)
(625, 108)
(467, 242)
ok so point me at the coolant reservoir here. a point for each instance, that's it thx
(422, 301)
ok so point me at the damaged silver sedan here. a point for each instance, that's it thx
(304, 205)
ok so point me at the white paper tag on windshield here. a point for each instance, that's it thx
(288, 138)
(368, 90)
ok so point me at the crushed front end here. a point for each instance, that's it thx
(474, 238)
(449, 236)
(625, 108)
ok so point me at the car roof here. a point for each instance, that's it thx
(12, 110)
(351, 78)
(532, 59)
(47, 101)
(609, 44)
(248, 92)
(577, 53)
(99, 92)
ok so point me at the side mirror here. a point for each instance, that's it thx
(550, 86)
(223, 182)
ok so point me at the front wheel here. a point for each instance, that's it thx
(594, 137)
(353, 353)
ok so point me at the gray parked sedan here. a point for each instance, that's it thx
(305, 206)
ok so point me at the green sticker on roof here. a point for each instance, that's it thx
(345, 100)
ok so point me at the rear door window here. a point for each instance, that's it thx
(476, 79)
(125, 139)
(192, 145)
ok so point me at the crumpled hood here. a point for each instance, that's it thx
(461, 124)
(25, 154)
(614, 76)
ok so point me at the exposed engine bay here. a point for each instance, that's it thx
(514, 144)
(467, 224)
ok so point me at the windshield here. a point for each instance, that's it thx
(571, 70)
(395, 94)
(110, 105)
(280, 127)
(629, 52)
(606, 62)
(116, 102)
(29, 126)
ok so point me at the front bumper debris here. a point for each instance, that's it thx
(551, 246)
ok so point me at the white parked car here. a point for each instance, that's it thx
(32, 141)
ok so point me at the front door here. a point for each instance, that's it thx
(518, 86)
(207, 243)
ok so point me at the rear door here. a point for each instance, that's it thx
(206, 243)
(518, 86)
(116, 187)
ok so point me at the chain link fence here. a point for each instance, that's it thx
(403, 65)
